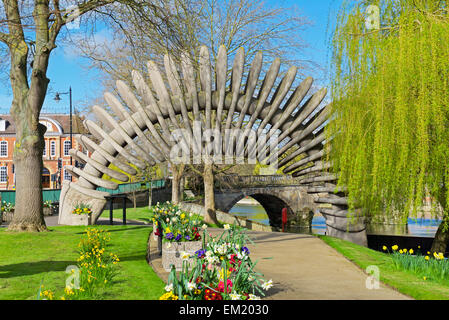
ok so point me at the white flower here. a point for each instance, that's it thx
(253, 297)
(227, 227)
(167, 220)
(241, 256)
(235, 296)
(185, 255)
(204, 226)
(267, 285)
(169, 287)
(191, 214)
(191, 286)
(178, 213)
(174, 219)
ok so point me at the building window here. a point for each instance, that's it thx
(44, 153)
(67, 175)
(67, 147)
(3, 174)
(52, 148)
(3, 148)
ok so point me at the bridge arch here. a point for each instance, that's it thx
(272, 200)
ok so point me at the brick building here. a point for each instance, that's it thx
(57, 146)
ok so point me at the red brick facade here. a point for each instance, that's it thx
(57, 144)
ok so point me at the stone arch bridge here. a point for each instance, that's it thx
(274, 193)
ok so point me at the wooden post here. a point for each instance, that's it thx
(111, 203)
(124, 210)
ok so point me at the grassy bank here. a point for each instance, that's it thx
(405, 282)
(29, 259)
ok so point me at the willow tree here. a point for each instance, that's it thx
(391, 107)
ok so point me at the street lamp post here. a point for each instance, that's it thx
(57, 99)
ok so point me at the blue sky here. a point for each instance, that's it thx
(65, 69)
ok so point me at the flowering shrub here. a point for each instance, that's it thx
(82, 208)
(7, 207)
(222, 270)
(96, 267)
(429, 266)
(176, 225)
(48, 204)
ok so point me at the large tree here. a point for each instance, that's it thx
(391, 107)
(30, 30)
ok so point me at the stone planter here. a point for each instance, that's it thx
(7, 216)
(171, 253)
(48, 211)
(158, 239)
(81, 220)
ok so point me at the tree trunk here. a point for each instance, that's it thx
(28, 213)
(177, 173)
(441, 239)
(209, 196)
(175, 189)
(26, 105)
(150, 195)
(181, 189)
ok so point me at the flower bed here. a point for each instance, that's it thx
(221, 270)
(7, 210)
(95, 269)
(432, 266)
(179, 231)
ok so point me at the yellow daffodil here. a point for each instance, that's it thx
(395, 247)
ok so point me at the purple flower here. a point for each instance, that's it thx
(169, 236)
(200, 253)
(178, 237)
(188, 238)
(245, 250)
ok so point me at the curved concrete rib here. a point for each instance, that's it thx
(111, 159)
(98, 181)
(102, 135)
(112, 173)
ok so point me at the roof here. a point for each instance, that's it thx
(62, 120)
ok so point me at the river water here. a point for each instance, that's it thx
(252, 210)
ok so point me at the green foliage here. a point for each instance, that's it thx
(391, 97)
(25, 270)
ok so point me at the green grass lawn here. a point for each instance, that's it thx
(139, 213)
(405, 282)
(29, 259)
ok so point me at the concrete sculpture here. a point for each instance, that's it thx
(142, 130)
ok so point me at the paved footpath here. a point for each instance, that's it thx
(302, 267)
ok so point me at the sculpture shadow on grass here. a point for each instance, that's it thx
(31, 268)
